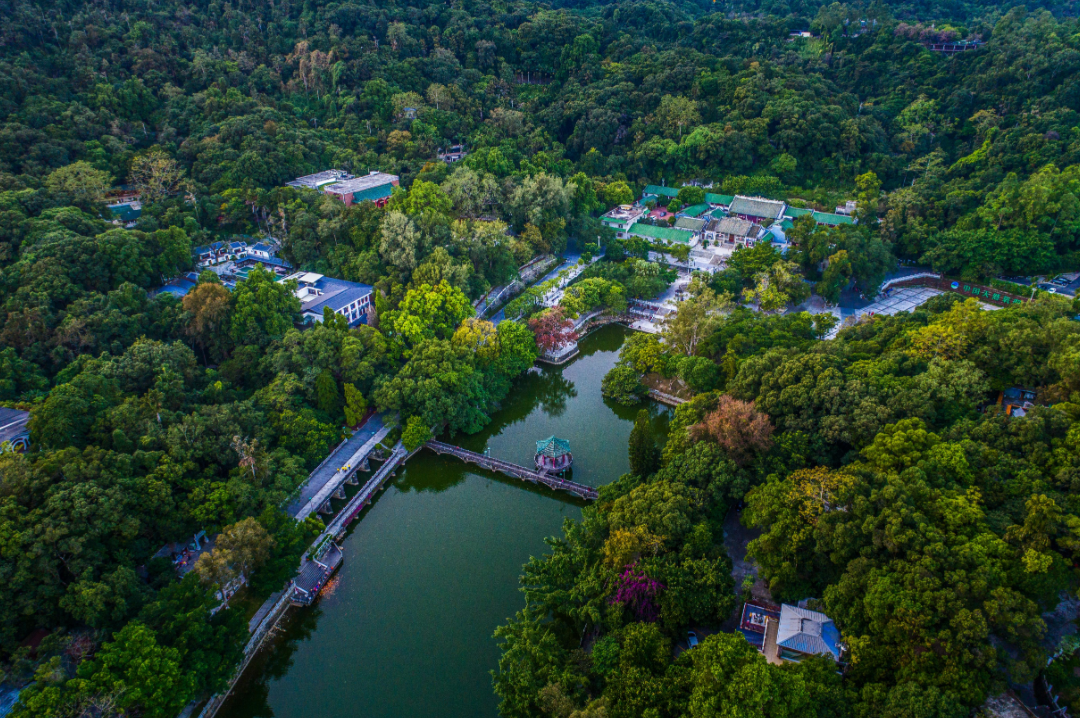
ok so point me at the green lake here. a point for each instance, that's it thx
(432, 567)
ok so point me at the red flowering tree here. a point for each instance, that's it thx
(737, 427)
(553, 330)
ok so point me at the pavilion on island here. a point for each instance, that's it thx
(553, 454)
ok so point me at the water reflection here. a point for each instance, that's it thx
(432, 567)
(429, 472)
(554, 392)
(271, 664)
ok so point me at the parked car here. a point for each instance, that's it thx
(691, 638)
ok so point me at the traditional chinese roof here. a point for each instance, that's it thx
(832, 219)
(667, 234)
(735, 226)
(690, 223)
(724, 199)
(553, 447)
(657, 191)
(756, 207)
(696, 210)
(796, 212)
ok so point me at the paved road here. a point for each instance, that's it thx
(569, 260)
(328, 470)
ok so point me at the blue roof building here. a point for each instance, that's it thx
(351, 300)
(802, 632)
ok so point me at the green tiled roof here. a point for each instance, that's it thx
(696, 210)
(834, 219)
(553, 447)
(724, 199)
(756, 207)
(691, 223)
(657, 191)
(667, 234)
(719, 213)
(796, 212)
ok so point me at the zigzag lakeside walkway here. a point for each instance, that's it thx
(575, 417)
(323, 559)
(318, 564)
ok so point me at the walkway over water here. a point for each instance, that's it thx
(363, 497)
(317, 566)
(518, 472)
(337, 468)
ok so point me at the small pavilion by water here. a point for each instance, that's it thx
(553, 454)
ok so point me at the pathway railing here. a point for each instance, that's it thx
(364, 495)
(665, 398)
(514, 470)
(255, 642)
(348, 468)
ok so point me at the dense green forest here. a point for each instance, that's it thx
(977, 151)
(154, 417)
(933, 533)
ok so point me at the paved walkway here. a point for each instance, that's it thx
(568, 261)
(572, 269)
(898, 300)
(329, 475)
(263, 611)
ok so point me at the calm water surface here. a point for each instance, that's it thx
(432, 567)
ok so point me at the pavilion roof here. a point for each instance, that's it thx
(553, 447)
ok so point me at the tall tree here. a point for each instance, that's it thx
(263, 309)
(208, 305)
(644, 455)
(155, 175)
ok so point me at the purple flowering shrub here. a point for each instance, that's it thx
(635, 590)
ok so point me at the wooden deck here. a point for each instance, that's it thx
(518, 472)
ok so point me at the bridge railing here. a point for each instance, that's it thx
(515, 470)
